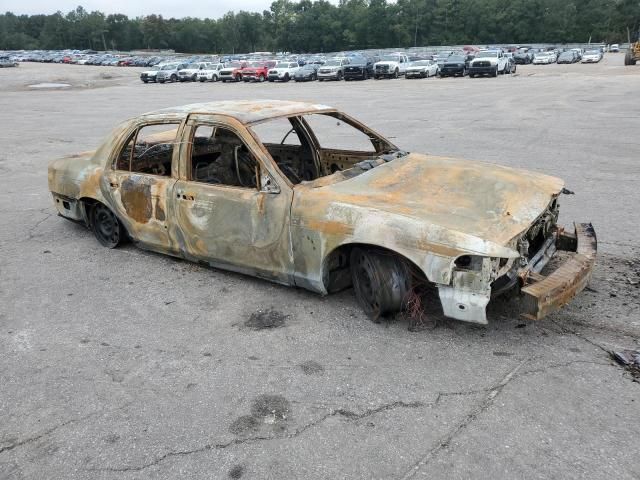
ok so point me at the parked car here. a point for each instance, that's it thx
(307, 73)
(391, 66)
(455, 65)
(190, 72)
(592, 56)
(488, 62)
(317, 214)
(333, 69)
(211, 73)
(283, 71)
(169, 72)
(150, 75)
(422, 69)
(522, 58)
(359, 68)
(257, 71)
(614, 48)
(568, 56)
(232, 72)
(512, 66)
(544, 58)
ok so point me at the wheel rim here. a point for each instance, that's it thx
(106, 226)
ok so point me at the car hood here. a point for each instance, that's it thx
(481, 205)
(492, 60)
(417, 68)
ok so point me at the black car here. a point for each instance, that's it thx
(455, 65)
(360, 68)
(522, 58)
(307, 73)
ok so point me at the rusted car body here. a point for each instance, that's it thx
(321, 218)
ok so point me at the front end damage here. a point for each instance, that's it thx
(476, 279)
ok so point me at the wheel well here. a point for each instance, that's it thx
(87, 203)
(336, 274)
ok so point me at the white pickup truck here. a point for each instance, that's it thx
(391, 66)
(488, 62)
(283, 71)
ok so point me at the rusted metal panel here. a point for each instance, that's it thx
(557, 289)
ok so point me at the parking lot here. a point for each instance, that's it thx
(124, 364)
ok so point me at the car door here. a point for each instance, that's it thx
(231, 205)
(140, 178)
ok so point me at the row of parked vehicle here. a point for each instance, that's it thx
(348, 67)
(572, 55)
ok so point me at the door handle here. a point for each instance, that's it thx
(113, 185)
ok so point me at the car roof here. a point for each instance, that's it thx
(248, 111)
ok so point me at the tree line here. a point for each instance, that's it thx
(321, 26)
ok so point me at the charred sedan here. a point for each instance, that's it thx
(304, 195)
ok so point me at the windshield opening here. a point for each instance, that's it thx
(307, 148)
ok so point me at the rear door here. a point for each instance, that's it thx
(141, 180)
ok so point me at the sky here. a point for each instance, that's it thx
(135, 8)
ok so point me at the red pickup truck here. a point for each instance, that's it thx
(257, 71)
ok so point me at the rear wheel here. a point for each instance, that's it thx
(381, 281)
(106, 227)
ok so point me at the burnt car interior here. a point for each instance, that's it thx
(220, 157)
(308, 147)
(149, 150)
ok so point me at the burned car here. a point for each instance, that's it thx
(304, 195)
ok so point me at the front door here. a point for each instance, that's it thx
(229, 212)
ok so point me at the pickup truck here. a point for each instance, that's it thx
(391, 66)
(257, 71)
(190, 73)
(283, 71)
(488, 62)
(232, 72)
(211, 73)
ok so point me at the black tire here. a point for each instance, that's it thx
(106, 227)
(238, 78)
(381, 281)
(271, 80)
(396, 73)
(261, 78)
(376, 77)
(145, 81)
(286, 77)
(214, 78)
(202, 79)
(495, 74)
(339, 76)
(174, 78)
(472, 75)
(161, 81)
(194, 77)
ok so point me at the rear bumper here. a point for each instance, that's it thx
(546, 294)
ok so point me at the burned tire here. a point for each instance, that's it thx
(106, 227)
(381, 281)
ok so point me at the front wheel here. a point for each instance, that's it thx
(174, 78)
(106, 227)
(261, 78)
(381, 281)
(396, 74)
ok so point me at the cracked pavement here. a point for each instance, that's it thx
(123, 364)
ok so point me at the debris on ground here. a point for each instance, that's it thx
(266, 319)
(630, 359)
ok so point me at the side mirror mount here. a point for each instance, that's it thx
(267, 185)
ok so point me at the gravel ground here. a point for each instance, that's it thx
(123, 364)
